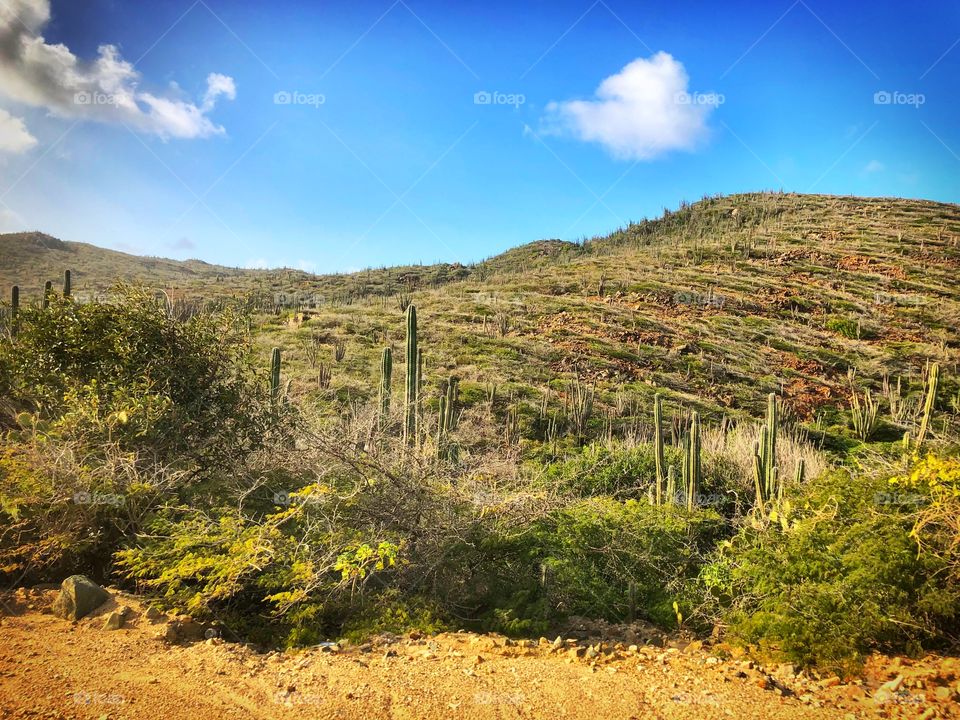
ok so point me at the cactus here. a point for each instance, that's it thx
(275, 374)
(14, 308)
(801, 468)
(863, 414)
(386, 378)
(66, 283)
(933, 381)
(658, 446)
(693, 471)
(412, 391)
(447, 416)
(765, 456)
(47, 291)
(671, 485)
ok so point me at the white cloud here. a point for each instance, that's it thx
(107, 89)
(639, 113)
(874, 166)
(14, 136)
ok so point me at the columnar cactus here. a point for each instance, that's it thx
(933, 381)
(447, 415)
(66, 283)
(275, 374)
(14, 308)
(765, 456)
(386, 379)
(671, 485)
(692, 464)
(658, 447)
(47, 290)
(412, 391)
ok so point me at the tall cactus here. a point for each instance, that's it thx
(447, 416)
(671, 485)
(765, 456)
(66, 283)
(14, 308)
(412, 390)
(275, 375)
(47, 290)
(692, 464)
(386, 380)
(933, 381)
(658, 447)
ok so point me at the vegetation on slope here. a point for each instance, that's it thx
(532, 482)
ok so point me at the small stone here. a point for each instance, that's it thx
(830, 682)
(113, 621)
(943, 693)
(153, 614)
(557, 644)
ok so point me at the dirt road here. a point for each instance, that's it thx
(51, 668)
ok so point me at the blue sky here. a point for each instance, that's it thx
(340, 135)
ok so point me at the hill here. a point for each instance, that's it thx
(718, 302)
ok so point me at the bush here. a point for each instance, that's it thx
(843, 579)
(113, 409)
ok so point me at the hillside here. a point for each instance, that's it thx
(719, 302)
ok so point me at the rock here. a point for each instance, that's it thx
(182, 628)
(943, 693)
(113, 621)
(830, 682)
(153, 614)
(79, 596)
(557, 644)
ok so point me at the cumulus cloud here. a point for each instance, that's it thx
(14, 136)
(106, 89)
(639, 113)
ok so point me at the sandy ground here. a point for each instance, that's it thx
(51, 668)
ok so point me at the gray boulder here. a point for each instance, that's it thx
(79, 596)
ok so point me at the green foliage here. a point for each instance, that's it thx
(841, 579)
(116, 408)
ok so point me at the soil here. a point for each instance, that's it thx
(52, 668)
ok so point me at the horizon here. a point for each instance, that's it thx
(334, 139)
(472, 261)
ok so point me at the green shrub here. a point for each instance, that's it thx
(836, 577)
